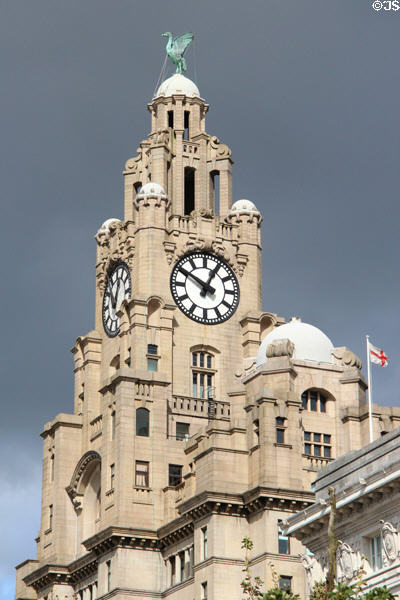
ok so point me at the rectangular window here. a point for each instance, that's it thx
(182, 565)
(201, 385)
(376, 552)
(152, 364)
(152, 349)
(189, 190)
(204, 542)
(171, 119)
(327, 451)
(186, 124)
(195, 359)
(51, 516)
(210, 389)
(285, 583)
(52, 467)
(304, 400)
(112, 476)
(194, 390)
(201, 359)
(113, 425)
(316, 448)
(208, 361)
(142, 474)
(108, 580)
(174, 474)
(204, 591)
(322, 403)
(313, 401)
(173, 569)
(283, 540)
(280, 436)
(182, 431)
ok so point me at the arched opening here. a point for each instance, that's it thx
(214, 191)
(142, 422)
(85, 493)
(189, 190)
(154, 313)
(186, 125)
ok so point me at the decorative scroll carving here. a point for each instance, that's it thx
(346, 357)
(389, 541)
(344, 557)
(218, 150)
(140, 163)
(283, 347)
(115, 244)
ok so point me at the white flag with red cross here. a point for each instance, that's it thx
(378, 356)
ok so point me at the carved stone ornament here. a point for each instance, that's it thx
(345, 560)
(207, 213)
(313, 569)
(161, 136)
(115, 244)
(72, 490)
(282, 347)
(346, 357)
(389, 541)
(218, 150)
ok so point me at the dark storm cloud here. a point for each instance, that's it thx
(307, 96)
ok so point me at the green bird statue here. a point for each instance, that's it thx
(176, 49)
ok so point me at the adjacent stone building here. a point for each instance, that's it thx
(198, 418)
(367, 485)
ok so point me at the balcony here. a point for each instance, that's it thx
(200, 407)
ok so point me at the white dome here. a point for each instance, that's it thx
(152, 188)
(105, 228)
(178, 84)
(310, 343)
(244, 206)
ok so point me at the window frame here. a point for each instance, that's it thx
(172, 477)
(142, 472)
(202, 374)
(283, 540)
(314, 400)
(317, 444)
(143, 411)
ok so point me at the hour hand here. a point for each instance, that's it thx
(206, 287)
(207, 284)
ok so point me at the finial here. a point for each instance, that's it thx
(175, 48)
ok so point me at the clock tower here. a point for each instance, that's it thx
(198, 418)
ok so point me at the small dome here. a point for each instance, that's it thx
(244, 206)
(310, 343)
(178, 84)
(105, 228)
(152, 188)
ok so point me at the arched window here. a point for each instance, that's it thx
(142, 422)
(203, 374)
(314, 400)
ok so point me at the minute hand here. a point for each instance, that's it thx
(205, 286)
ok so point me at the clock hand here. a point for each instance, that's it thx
(211, 275)
(113, 299)
(204, 285)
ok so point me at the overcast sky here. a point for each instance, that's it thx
(306, 94)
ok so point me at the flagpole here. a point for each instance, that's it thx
(371, 435)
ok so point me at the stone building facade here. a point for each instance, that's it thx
(198, 418)
(367, 524)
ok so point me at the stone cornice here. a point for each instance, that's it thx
(111, 537)
(62, 420)
(127, 374)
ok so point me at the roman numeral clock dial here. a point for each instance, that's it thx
(205, 288)
(118, 288)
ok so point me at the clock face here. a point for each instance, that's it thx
(118, 288)
(205, 288)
